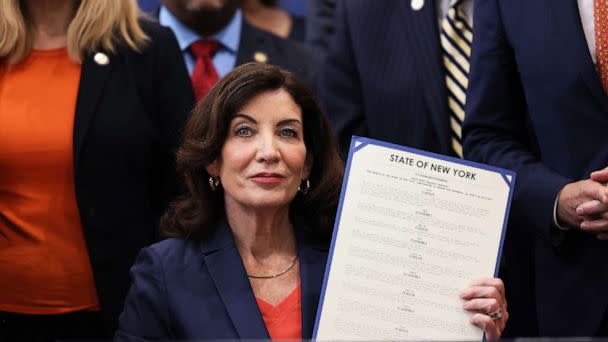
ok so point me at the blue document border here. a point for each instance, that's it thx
(367, 141)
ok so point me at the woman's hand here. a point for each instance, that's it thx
(486, 299)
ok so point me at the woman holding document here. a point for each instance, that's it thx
(249, 245)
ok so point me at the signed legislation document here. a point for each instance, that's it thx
(412, 231)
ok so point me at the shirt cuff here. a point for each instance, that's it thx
(555, 221)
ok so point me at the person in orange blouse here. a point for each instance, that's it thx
(250, 239)
(91, 103)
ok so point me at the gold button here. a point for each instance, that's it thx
(260, 57)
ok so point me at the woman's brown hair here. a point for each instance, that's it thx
(207, 129)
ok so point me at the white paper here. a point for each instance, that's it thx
(413, 232)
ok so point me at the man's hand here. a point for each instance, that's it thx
(595, 213)
(600, 176)
(583, 204)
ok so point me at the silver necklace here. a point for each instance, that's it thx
(293, 262)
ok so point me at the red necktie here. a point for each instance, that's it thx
(204, 75)
(600, 9)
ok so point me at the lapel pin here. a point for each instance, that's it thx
(417, 4)
(260, 57)
(101, 58)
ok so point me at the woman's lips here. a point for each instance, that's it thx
(267, 178)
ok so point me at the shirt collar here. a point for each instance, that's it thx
(229, 37)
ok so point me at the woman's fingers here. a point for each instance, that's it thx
(486, 298)
(482, 305)
(488, 325)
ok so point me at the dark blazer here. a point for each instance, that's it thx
(129, 114)
(536, 106)
(185, 289)
(320, 23)
(384, 78)
(291, 55)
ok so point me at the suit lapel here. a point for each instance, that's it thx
(568, 21)
(92, 82)
(312, 270)
(230, 278)
(423, 27)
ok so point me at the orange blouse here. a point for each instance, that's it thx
(44, 264)
(284, 321)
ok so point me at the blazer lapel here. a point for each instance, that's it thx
(422, 26)
(92, 82)
(568, 21)
(230, 278)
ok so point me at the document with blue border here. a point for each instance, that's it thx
(413, 230)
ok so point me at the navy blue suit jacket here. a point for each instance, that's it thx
(535, 105)
(185, 289)
(384, 77)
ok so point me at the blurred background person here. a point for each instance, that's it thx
(92, 101)
(267, 15)
(214, 38)
(251, 237)
(296, 8)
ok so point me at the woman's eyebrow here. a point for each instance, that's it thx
(289, 121)
(245, 116)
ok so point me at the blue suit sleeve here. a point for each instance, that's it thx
(497, 129)
(146, 312)
(340, 86)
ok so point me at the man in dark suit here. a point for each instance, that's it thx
(217, 28)
(536, 105)
(398, 71)
(385, 75)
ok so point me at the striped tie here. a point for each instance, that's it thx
(456, 39)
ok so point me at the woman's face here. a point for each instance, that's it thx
(264, 159)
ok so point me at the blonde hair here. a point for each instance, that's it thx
(97, 24)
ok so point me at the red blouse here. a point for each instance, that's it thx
(284, 321)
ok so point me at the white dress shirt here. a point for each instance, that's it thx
(442, 6)
(585, 8)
